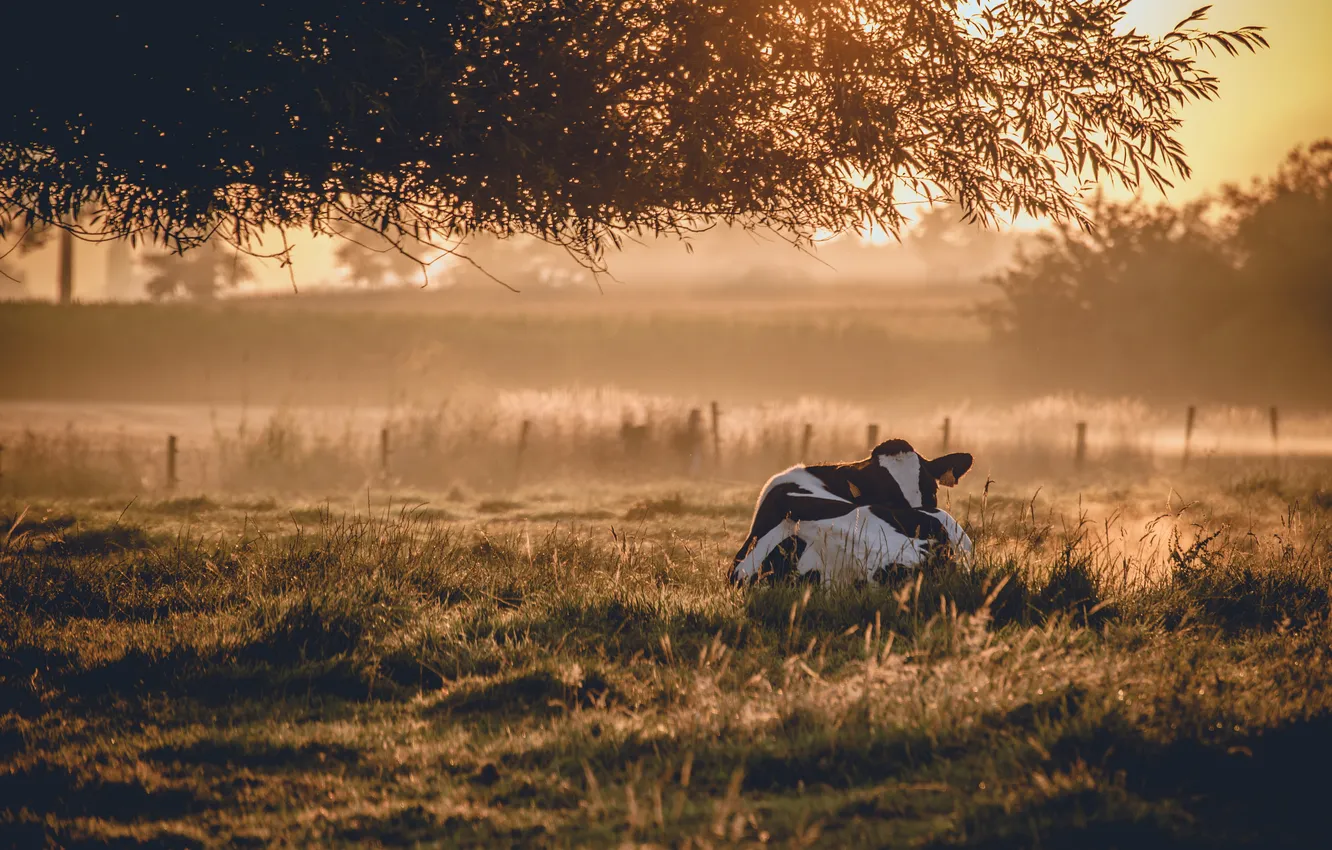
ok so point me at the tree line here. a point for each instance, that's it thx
(1231, 291)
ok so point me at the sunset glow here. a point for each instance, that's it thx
(1269, 101)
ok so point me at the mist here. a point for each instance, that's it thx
(738, 355)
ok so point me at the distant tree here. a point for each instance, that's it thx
(947, 244)
(11, 282)
(363, 266)
(379, 265)
(1118, 288)
(37, 234)
(519, 261)
(1228, 289)
(1282, 229)
(198, 275)
(581, 121)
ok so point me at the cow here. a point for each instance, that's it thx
(855, 520)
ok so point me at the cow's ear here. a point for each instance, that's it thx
(949, 468)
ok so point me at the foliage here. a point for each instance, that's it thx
(1279, 227)
(1230, 292)
(376, 264)
(199, 276)
(943, 240)
(11, 281)
(581, 121)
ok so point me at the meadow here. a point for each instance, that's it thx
(1136, 655)
(443, 573)
(391, 348)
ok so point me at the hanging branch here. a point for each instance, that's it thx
(581, 123)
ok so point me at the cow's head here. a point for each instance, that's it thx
(919, 479)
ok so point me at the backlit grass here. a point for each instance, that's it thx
(203, 672)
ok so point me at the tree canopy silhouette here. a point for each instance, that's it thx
(579, 121)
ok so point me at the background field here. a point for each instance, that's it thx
(879, 345)
(499, 633)
(379, 349)
(295, 394)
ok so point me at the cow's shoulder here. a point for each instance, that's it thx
(801, 481)
(854, 482)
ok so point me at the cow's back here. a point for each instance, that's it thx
(794, 493)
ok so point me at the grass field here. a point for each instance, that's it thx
(512, 627)
(385, 348)
(1132, 659)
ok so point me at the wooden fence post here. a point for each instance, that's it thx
(1276, 446)
(523, 434)
(693, 443)
(805, 441)
(947, 433)
(872, 435)
(1189, 419)
(633, 436)
(172, 451)
(384, 451)
(1080, 456)
(716, 434)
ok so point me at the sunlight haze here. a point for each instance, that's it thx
(1270, 101)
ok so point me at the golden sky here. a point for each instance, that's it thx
(1270, 101)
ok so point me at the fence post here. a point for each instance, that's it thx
(522, 447)
(716, 434)
(872, 435)
(384, 451)
(1189, 419)
(693, 441)
(805, 441)
(2, 461)
(172, 450)
(947, 433)
(1080, 457)
(1276, 446)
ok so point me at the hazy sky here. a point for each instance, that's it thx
(1269, 101)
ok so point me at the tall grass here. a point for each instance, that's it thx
(386, 678)
(481, 442)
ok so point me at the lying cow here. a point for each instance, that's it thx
(853, 521)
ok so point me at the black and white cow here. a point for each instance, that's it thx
(853, 520)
